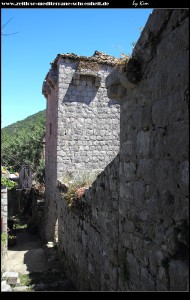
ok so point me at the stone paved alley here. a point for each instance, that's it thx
(37, 263)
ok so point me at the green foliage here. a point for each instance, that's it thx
(22, 142)
(20, 226)
(7, 182)
(12, 237)
(4, 237)
(25, 279)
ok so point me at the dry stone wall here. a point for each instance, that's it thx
(130, 230)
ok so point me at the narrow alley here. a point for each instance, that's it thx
(36, 264)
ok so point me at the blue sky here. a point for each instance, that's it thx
(42, 34)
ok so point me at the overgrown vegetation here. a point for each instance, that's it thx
(7, 183)
(76, 185)
(122, 62)
(4, 237)
(22, 143)
(25, 279)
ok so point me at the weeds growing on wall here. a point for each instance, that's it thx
(76, 185)
(122, 62)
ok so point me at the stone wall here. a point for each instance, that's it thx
(154, 166)
(88, 235)
(4, 206)
(88, 121)
(130, 229)
(3, 228)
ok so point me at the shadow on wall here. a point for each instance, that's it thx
(84, 92)
(113, 102)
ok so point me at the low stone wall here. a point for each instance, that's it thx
(88, 233)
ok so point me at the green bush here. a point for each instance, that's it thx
(7, 183)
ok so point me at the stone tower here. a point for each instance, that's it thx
(82, 123)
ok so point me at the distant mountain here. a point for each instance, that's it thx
(22, 142)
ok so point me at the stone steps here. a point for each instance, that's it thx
(53, 279)
(9, 281)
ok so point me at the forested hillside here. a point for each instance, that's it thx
(22, 143)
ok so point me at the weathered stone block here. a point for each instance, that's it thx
(179, 275)
(142, 117)
(180, 77)
(134, 271)
(146, 171)
(127, 151)
(112, 79)
(183, 177)
(158, 143)
(5, 287)
(143, 143)
(147, 282)
(139, 194)
(125, 82)
(165, 175)
(129, 169)
(160, 112)
(115, 91)
(11, 277)
(178, 106)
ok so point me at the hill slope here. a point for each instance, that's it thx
(21, 142)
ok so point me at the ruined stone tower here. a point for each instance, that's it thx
(82, 123)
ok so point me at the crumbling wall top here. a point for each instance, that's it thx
(98, 57)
